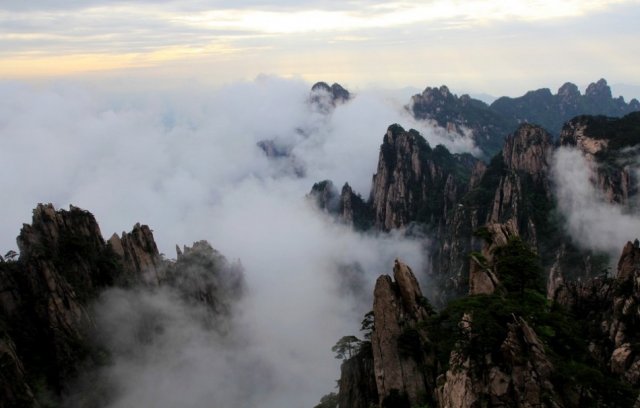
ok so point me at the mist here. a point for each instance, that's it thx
(592, 222)
(186, 162)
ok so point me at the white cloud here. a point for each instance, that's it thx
(186, 163)
(591, 221)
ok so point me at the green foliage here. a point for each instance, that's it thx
(346, 347)
(367, 325)
(522, 296)
(518, 268)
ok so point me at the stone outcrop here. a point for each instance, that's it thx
(609, 307)
(45, 319)
(482, 277)
(14, 389)
(415, 182)
(324, 97)
(522, 379)
(396, 339)
(607, 143)
(204, 275)
(357, 385)
(139, 254)
(347, 207)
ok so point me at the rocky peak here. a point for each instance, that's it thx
(569, 92)
(409, 289)
(483, 279)
(412, 181)
(397, 308)
(598, 90)
(326, 97)
(50, 229)
(527, 150)
(139, 253)
(629, 263)
(576, 133)
(325, 196)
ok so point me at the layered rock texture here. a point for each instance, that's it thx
(45, 296)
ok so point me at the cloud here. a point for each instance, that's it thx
(591, 221)
(187, 163)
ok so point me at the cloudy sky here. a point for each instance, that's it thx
(489, 46)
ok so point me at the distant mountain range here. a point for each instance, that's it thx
(490, 124)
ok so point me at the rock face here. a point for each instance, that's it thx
(397, 355)
(415, 182)
(139, 254)
(608, 145)
(64, 263)
(609, 307)
(357, 385)
(348, 207)
(504, 353)
(462, 114)
(526, 381)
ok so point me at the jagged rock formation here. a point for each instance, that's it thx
(610, 307)
(504, 349)
(415, 182)
(325, 98)
(552, 111)
(452, 197)
(64, 263)
(483, 279)
(396, 338)
(609, 145)
(460, 114)
(337, 93)
(139, 254)
(357, 385)
(489, 124)
(526, 381)
(348, 207)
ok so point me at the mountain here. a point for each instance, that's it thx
(504, 348)
(552, 111)
(461, 114)
(490, 124)
(509, 280)
(46, 322)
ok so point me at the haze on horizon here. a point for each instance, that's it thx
(500, 48)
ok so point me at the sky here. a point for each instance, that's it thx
(151, 111)
(490, 46)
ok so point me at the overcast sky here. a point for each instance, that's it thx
(491, 46)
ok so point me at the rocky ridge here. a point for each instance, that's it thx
(489, 124)
(45, 320)
(503, 348)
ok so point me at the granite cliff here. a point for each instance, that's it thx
(46, 323)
